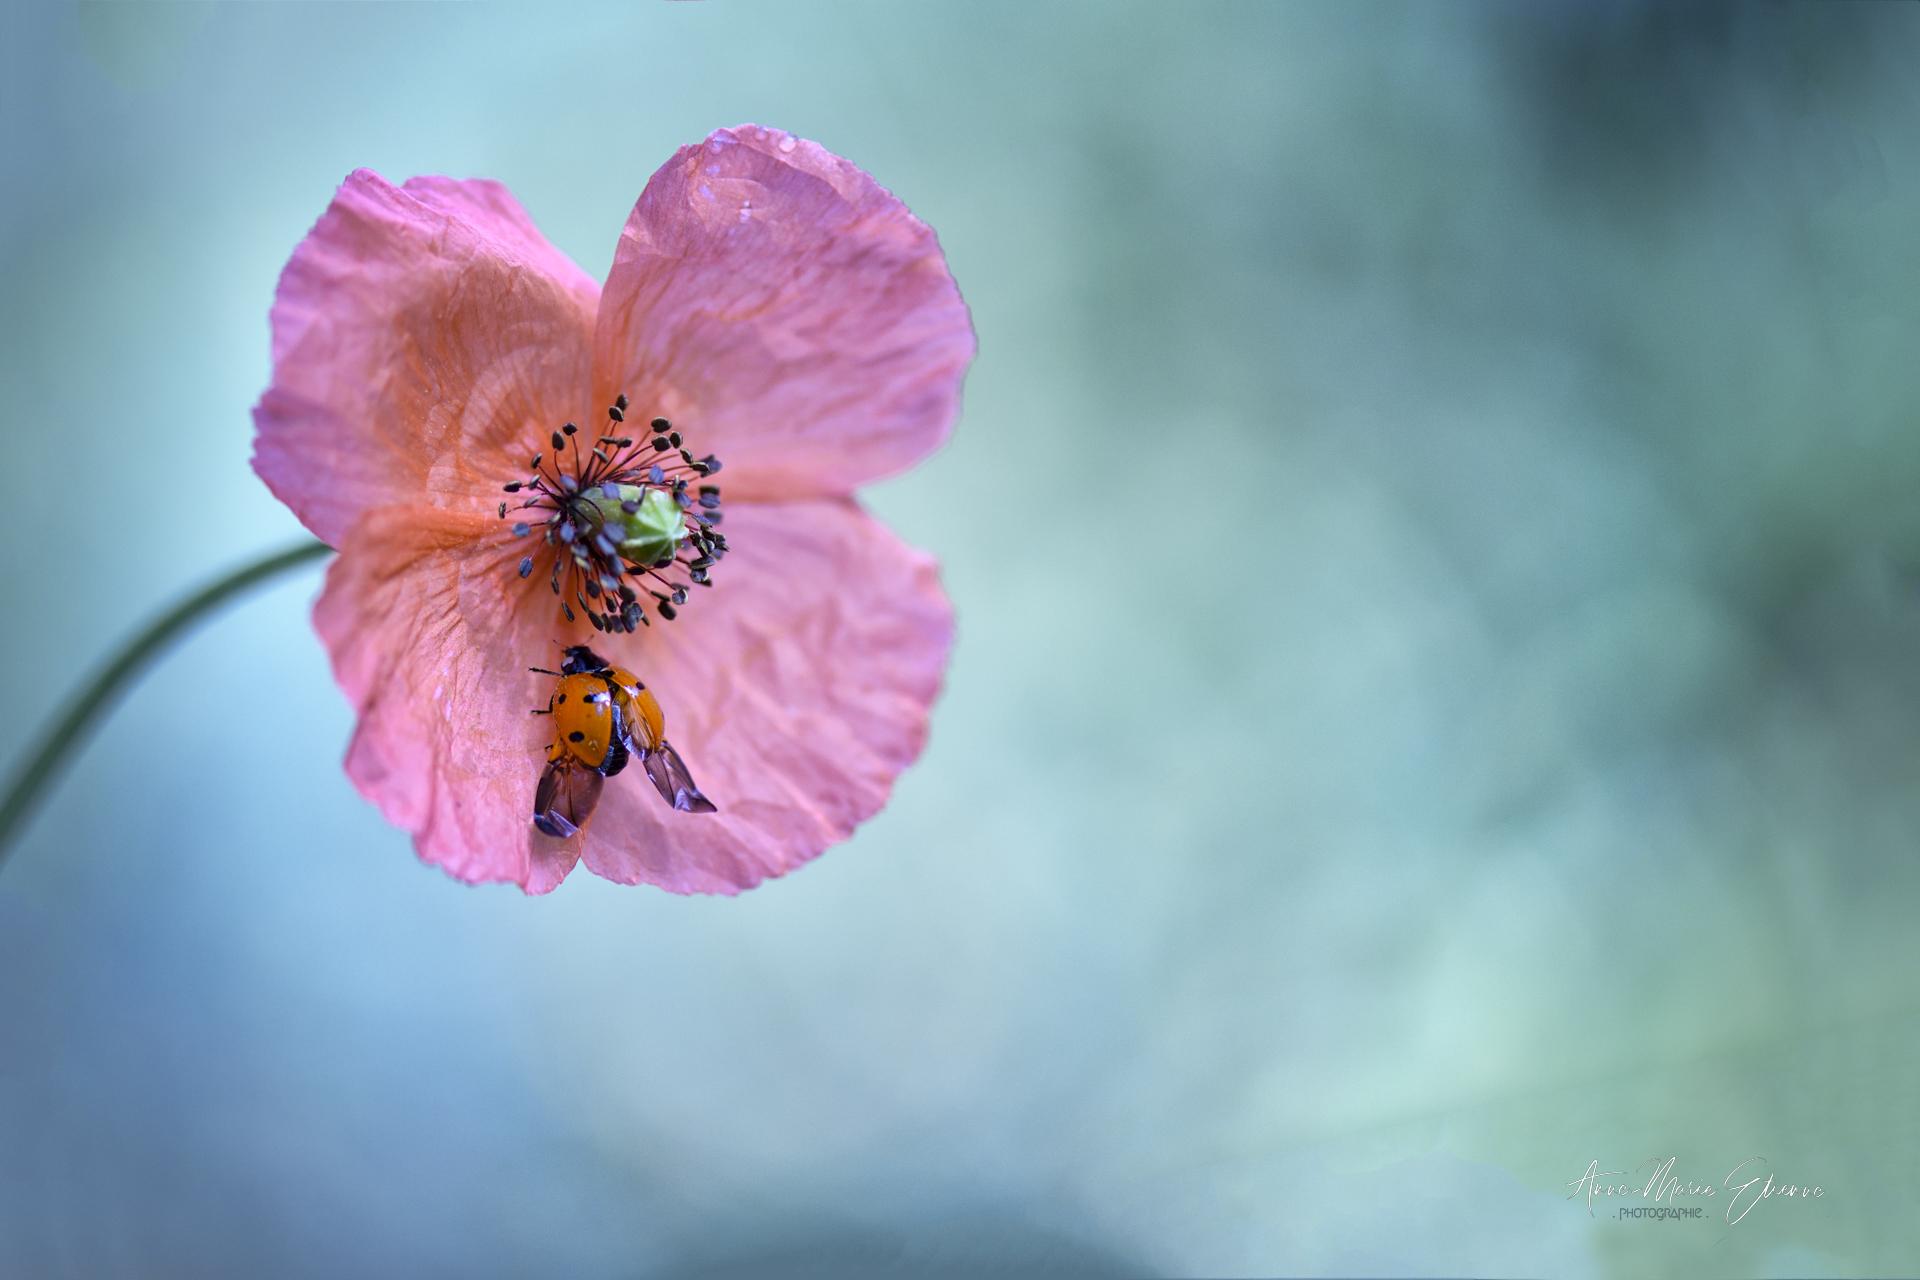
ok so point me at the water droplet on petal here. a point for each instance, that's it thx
(787, 143)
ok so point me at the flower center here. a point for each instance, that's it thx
(621, 522)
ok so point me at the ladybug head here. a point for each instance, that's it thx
(580, 660)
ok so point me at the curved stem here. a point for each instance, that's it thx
(77, 714)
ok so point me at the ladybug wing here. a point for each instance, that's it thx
(565, 798)
(671, 779)
(620, 745)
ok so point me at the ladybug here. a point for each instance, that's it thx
(603, 716)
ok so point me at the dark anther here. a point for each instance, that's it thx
(559, 442)
(621, 402)
(535, 464)
(679, 595)
(617, 414)
(569, 428)
(660, 444)
(706, 489)
(503, 511)
(656, 475)
(712, 464)
(520, 530)
(674, 439)
(661, 424)
(708, 499)
(667, 610)
(513, 487)
(526, 566)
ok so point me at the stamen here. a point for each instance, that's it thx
(620, 511)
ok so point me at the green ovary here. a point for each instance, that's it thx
(648, 534)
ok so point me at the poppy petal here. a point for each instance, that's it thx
(795, 691)
(431, 632)
(787, 313)
(425, 338)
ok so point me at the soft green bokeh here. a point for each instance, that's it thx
(1503, 760)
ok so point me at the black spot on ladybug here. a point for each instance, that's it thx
(576, 736)
(563, 697)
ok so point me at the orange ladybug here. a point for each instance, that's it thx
(603, 716)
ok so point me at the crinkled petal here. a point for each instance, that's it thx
(787, 312)
(431, 631)
(796, 690)
(426, 339)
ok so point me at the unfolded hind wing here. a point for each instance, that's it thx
(566, 796)
(671, 779)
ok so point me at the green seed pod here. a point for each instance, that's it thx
(650, 532)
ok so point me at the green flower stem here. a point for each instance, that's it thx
(78, 713)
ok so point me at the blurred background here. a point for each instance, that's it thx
(1505, 763)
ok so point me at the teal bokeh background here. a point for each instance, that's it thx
(1437, 699)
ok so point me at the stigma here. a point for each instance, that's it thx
(627, 524)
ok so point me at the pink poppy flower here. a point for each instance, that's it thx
(784, 314)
